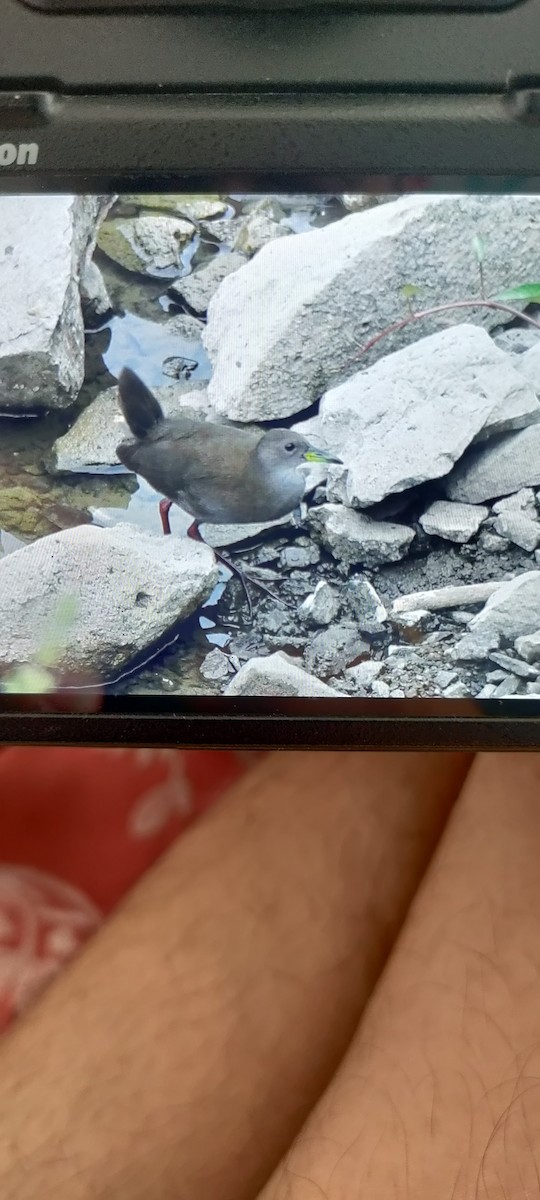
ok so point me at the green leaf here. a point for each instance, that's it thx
(410, 291)
(28, 680)
(530, 292)
(479, 248)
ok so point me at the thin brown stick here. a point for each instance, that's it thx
(432, 312)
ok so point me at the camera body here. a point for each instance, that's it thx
(349, 98)
(325, 94)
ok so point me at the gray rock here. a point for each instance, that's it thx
(95, 299)
(321, 607)
(491, 543)
(364, 674)
(381, 690)
(358, 202)
(476, 646)
(332, 288)
(230, 535)
(457, 691)
(275, 675)
(455, 522)
(485, 472)
(216, 666)
(403, 652)
(514, 608)
(522, 502)
(461, 616)
(302, 553)
(529, 362)
(528, 647)
(272, 622)
(129, 589)
(415, 620)
(446, 597)
(487, 692)
(353, 538)
(517, 341)
(365, 605)
(519, 529)
(443, 678)
(333, 649)
(261, 225)
(196, 290)
(184, 326)
(508, 687)
(193, 207)
(90, 444)
(410, 417)
(223, 230)
(533, 689)
(149, 243)
(45, 242)
(513, 665)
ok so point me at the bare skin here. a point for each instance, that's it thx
(439, 1093)
(200, 1034)
(179, 1055)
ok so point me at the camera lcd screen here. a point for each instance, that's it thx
(270, 446)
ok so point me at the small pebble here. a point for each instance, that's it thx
(514, 665)
(215, 666)
(508, 687)
(457, 691)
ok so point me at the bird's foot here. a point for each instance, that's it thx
(259, 575)
(248, 576)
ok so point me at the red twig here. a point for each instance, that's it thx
(432, 312)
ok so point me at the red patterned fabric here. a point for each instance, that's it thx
(78, 827)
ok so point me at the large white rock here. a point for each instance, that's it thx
(514, 609)
(485, 472)
(410, 416)
(277, 676)
(289, 325)
(45, 241)
(129, 589)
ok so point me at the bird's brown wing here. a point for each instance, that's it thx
(200, 464)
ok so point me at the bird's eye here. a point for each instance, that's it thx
(290, 446)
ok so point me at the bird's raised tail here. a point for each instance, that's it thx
(139, 406)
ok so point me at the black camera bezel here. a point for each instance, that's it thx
(279, 103)
(83, 7)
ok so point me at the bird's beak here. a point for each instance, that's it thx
(320, 456)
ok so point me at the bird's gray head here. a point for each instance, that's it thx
(279, 449)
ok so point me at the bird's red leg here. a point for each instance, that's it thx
(164, 510)
(194, 532)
